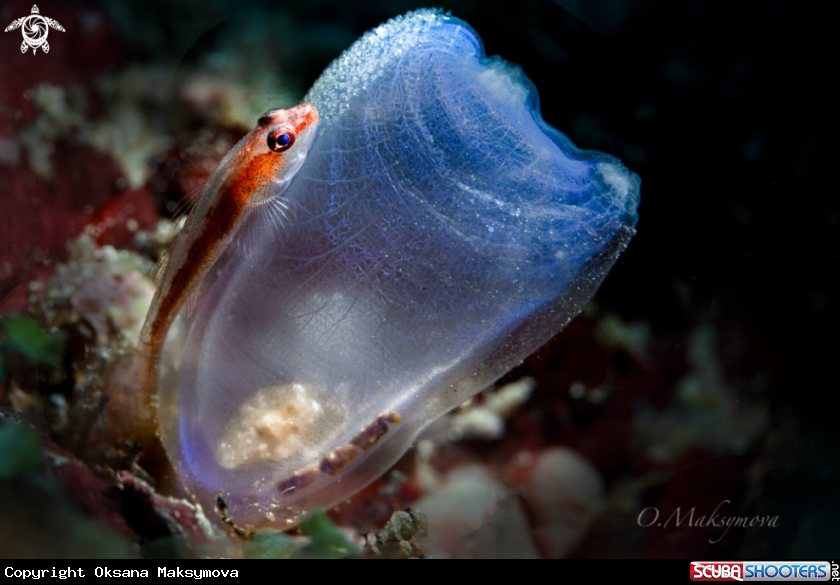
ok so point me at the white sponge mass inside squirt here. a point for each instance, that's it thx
(276, 424)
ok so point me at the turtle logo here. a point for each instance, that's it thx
(34, 30)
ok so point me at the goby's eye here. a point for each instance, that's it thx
(280, 139)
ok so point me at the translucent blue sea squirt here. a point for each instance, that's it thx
(436, 232)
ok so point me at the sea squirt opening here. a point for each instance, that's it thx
(442, 231)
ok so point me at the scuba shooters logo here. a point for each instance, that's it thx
(35, 29)
(760, 571)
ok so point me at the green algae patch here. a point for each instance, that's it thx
(20, 451)
(22, 335)
(327, 541)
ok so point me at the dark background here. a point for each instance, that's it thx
(727, 111)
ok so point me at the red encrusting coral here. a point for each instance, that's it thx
(39, 216)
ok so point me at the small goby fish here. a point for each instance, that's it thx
(256, 171)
